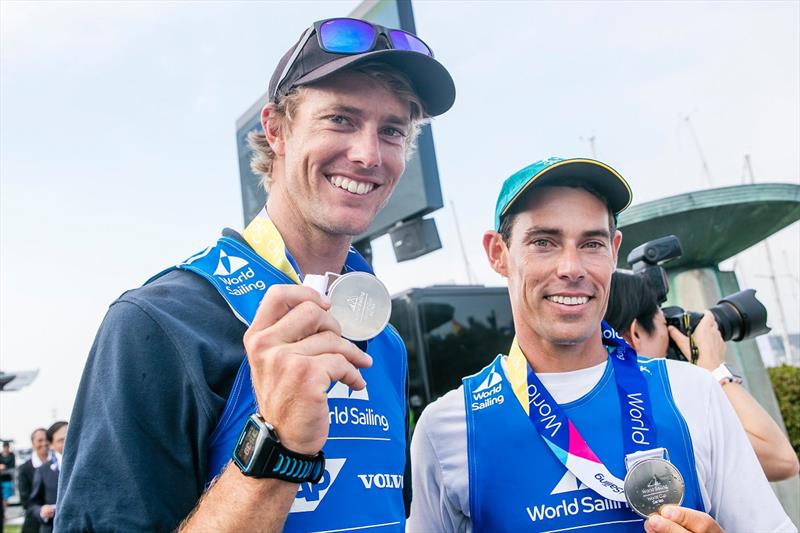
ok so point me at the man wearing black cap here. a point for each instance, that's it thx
(307, 431)
(571, 431)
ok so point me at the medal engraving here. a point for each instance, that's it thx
(651, 484)
(361, 304)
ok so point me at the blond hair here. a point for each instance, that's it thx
(282, 114)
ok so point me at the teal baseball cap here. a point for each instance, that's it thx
(599, 176)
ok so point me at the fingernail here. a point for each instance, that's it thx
(326, 299)
(656, 521)
(670, 512)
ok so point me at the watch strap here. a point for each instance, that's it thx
(259, 453)
(724, 375)
(283, 463)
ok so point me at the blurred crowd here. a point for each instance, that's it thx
(30, 478)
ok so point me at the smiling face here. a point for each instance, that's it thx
(558, 262)
(342, 156)
(40, 444)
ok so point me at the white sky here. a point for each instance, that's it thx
(118, 154)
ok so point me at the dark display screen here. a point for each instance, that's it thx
(245, 451)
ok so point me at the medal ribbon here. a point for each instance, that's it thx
(263, 237)
(563, 437)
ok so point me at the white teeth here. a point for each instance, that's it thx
(569, 300)
(352, 186)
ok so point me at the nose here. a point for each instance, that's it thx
(570, 265)
(366, 149)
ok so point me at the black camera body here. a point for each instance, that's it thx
(646, 260)
(739, 316)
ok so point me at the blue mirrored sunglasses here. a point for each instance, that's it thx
(354, 36)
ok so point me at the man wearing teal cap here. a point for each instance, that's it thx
(571, 430)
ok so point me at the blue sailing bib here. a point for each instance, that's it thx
(516, 482)
(365, 452)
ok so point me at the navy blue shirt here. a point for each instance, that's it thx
(155, 383)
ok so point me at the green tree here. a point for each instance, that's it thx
(786, 383)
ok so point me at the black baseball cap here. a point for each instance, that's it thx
(431, 81)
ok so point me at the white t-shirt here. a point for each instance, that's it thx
(732, 484)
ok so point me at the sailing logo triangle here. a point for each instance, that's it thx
(491, 380)
(340, 390)
(228, 264)
(567, 483)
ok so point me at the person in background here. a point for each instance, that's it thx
(633, 311)
(25, 473)
(42, 501)
(7, 462)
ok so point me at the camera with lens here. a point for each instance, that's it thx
(739, 316)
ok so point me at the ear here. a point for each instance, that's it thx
(632, 336)
(496, 252)
(273, 130)
(616, 242)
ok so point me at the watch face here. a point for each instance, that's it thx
(244, 452)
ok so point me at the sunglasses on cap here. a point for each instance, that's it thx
(353, 36)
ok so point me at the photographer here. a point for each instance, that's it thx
(633, 311)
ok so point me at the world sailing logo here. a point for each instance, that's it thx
(241, 283)
(573, 505)
(488, 392)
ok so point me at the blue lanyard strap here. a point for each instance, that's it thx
(564, 438)
(638, 427)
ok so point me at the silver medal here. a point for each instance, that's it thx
(652, 483)
(361, 304)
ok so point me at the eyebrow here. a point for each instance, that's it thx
(541, 231)
(350, 110)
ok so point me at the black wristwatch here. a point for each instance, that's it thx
(260, 454)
